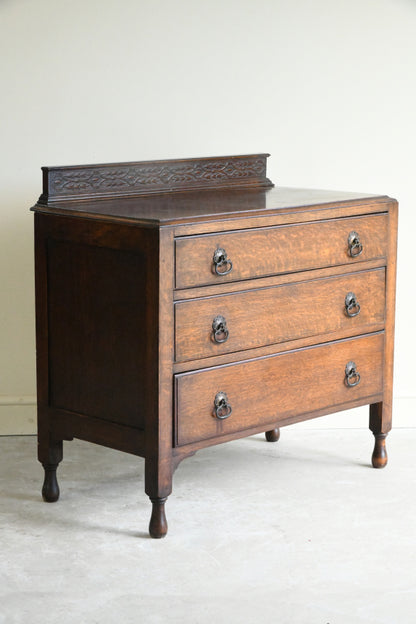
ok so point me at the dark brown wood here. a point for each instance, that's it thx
(50, 488)
(94, 351)
(221, 210)
(267, 251)
(50, 447)
(273, 435)
(50, 454)
(158, 526)
(159, 397)
(122, 281)
(97, 291)
(381, 412)
(141, 178)
(379, 457)
(69, 425)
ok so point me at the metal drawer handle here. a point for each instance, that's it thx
(220, 260)
(222, 409)
(352, 307)
(219, 328)
(352, 377)
(355, 246)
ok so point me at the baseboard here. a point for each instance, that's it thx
(18, 416)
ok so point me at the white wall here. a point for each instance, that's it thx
(329, 88)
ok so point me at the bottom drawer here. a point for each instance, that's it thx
(278, 387)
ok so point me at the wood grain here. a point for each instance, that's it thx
(123, 280)
(209, 210)
(381, 413)
(272, 315)
(276, 212)
(274, 280)
(268, 251)
(266, 390)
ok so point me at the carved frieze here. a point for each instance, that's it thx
(129, 179)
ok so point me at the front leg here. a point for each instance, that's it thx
(380, 429)
(158, 526)
(158, 486)
(379, 458)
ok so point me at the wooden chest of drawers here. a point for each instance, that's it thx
(186, 303)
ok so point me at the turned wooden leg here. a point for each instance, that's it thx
(380, 425)
(273, 435)
(158, 526)
(50, 454)
(379, 457)
(50, 489)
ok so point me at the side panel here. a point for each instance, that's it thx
(94, 323)
(96, 331)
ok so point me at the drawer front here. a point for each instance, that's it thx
(275, 388)
(268, 251)
(229, 323)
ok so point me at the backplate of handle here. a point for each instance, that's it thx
(352, 307)
(352, 376)
(222, 408)
(355, 246)
(220, 331)
(222, 266)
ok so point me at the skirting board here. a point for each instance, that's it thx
(18, 416)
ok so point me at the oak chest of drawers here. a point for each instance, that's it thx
(186, 303)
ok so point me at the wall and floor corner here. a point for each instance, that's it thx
(327, 88)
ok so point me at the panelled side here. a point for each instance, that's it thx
(93, 329)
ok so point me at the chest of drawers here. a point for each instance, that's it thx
(186, 303)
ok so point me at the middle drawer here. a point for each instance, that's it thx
(227, 323)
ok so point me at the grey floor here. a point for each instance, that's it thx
(300, 532)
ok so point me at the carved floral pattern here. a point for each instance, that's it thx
(141, 177)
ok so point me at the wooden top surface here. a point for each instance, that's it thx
(177, 191)
(193, 206)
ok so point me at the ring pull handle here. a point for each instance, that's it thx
(352, 377)
(222, 409)
(220, 260)
(219, 329)
(352, 307)
(355, 246)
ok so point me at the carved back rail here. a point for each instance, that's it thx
(147, 177)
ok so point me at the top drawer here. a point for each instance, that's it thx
(281, 249)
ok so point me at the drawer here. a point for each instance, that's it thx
(266, 390)
(272, 315)
(268, 251)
